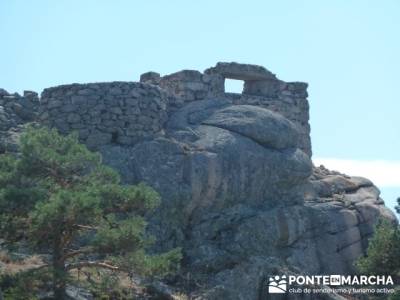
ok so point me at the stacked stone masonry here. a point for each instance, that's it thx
(103, 113)
(16, 109)
(128, 112)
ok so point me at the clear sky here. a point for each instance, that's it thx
(348, 52)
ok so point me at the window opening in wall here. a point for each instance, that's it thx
(234, 86)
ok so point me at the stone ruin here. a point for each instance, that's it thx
(128, 112)
(104, 113)
(15, 111)
(240, 194)
(261, 88)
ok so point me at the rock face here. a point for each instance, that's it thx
(240, 193)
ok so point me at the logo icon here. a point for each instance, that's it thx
(335, 280)
(277, 284)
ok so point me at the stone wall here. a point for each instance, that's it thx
(103, 113)
(16, 109)
(186, 86)
(128, 112)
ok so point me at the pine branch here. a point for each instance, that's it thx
(73, 253)
(85, 227)
(92, 264)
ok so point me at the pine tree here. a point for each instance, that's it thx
(383, 251)
(57, 197)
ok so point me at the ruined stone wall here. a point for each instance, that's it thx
(128, 112)
(261, 88)
(16, 109)
(291, 102)
(186, 86)
(103, 113)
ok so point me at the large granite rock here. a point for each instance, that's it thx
(244, 201)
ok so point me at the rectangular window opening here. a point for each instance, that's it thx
(234, 86)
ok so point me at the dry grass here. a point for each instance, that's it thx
(10, 265)
(180, 296)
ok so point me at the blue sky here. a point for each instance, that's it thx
(348, 52)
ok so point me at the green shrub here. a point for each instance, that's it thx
(383, 251)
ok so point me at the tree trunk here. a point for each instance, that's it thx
(59, 272)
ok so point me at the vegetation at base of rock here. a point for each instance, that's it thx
(59, 201)
(382, 257)
(383, 251)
